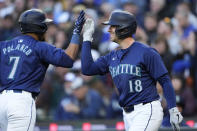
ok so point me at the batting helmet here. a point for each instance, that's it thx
(125, 23)
(33, 21)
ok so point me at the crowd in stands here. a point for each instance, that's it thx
(169, 26)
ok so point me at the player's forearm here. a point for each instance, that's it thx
(168, 90)
(72, 51)
(88, 67)
(73, 47)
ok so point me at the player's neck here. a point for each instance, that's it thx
(32, 35)
(126, 42)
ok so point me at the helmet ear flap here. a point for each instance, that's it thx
(33, 21)
(33, 28)
(44, 27)
(125, 31)
(125, 23)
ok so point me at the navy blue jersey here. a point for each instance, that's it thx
(134, 70)
(24, 62)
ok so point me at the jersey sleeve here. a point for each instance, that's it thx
(102, 64)
(1, 43)
(89, 67)
(168, 90)
(52, 55)
(0, 60)
(154, 64)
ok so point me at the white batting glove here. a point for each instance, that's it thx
(88, 30)
(175, 118)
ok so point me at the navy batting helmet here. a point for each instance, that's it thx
(33, 21)
(125, 23)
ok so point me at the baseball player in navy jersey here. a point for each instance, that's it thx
(135, 69)
(23, 64)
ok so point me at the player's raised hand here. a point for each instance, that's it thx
(79, 23)
(175, 118)
(88, 30)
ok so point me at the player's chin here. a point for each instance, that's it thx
(112, 38)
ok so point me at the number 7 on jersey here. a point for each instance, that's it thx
(13, 70)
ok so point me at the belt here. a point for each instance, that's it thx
(129, 109)
(34, 95)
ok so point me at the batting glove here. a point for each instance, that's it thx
(79, 23)
(175, 118)
(88, 30)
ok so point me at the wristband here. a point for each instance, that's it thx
(75, 39)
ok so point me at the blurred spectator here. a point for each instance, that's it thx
(141, 4)
(62, 8)
(141, 35)
(2, 3)
(43, 102)
(57, 87)
(94, 4)
(113, 109)
(98, 83)
(67, 109)
(105, 9)
(61, 39)
(69, 78)
(46, 5)
(76, 10)
(20, 5)
(51, 32)
(32, 4)
(6, 8)
(83, 103)
(150, 25)
(161, 9)
(161, 45)
(134, 9)
(184, 96)
(8, 31)
(49, 12)
(194, 61)
(186, 32)
(182, 66)
(184, 7)
(165, 28)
